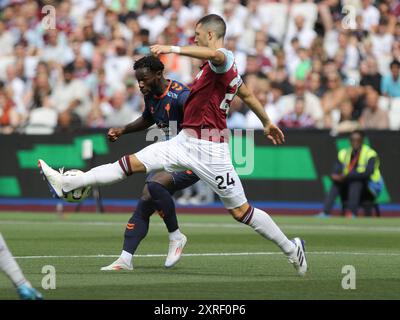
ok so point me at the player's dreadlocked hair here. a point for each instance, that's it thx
(150, 62)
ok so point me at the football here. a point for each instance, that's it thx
(79, 194)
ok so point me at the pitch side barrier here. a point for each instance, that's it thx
(291, 178)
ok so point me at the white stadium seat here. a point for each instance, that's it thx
(394, 114)
(384, 103)
(306, 9)
(41, 121)
(275, 15)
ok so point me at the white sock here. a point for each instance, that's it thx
(10, 266)
(261, 222)
(126, 257)
(98, 176)
(176, 235)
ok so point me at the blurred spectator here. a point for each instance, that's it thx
(373, 117)
(304, 65)
(312, 102)
(334, 95)
(117, 112)
(9, 117)
(133, 96)
(71, 94)
(68, 121)
(6, 40)
(143, 45)
(281, 76)
(346, 123)
(118, 63)
(56, 48)
(152, 19)
(315, 85)
(272, 103)
(263, 52)
(236, 119)
(17, 87)
(279, 42)
(370, 16)
(390, 85)
(302, 32)
(356, 95)
(298, 118)
(370, 75)
(95, 118)
(240, 55)
(182, 12)
(40, 91)
(382, 40)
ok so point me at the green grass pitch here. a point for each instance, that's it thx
(223, 259)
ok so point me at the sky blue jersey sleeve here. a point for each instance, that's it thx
(229, 60)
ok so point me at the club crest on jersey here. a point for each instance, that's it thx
(167, 108)
(152, 109)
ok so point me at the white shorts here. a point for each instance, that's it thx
(210, 161)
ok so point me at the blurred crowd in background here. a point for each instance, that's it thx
(326, 64)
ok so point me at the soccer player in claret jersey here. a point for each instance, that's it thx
(164, 100)
(201, 145)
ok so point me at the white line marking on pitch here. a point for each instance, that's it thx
(218, 254)
(211, 225)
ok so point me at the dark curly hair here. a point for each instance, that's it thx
(150, 62)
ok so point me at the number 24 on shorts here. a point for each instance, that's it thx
(221, 181)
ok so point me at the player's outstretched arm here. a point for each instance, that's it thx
(139, 124)
(270, 130)
(204, 53)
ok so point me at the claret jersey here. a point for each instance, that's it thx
(211, 93)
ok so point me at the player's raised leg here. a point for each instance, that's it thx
(102, 175)
(10, 267)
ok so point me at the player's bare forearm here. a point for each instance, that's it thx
(203, 53)
(270, 130)
(252, 102)
(138, 125)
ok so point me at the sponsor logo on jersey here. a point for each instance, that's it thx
(173, 95)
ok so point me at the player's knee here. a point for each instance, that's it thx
(164, 179)
(146, 196)
(237, 214)
(155, 189)
(240, 212)
(135, 164)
